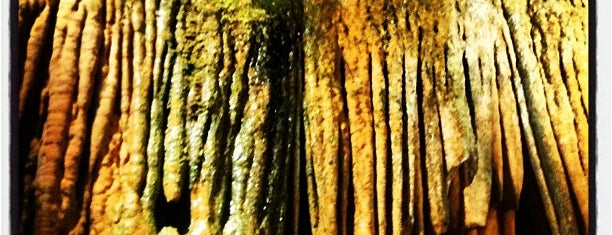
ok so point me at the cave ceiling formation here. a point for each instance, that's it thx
(302, 117)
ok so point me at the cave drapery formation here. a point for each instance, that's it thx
(309, 117)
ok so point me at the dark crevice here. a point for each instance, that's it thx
(497, 195)
(482, 78)
(508, 197)
(278, 127)
(350, 212)
(468, 94)
(175, 214)
(528, 5)
(455, 187)
(373, 142)
(314, 191)
(346, 166)
(297, 151)
(442, 151)
(303, 204)
(421, 123)
(457, 8)
(447, 77)
(408, 25)
(530, 216)
(389, 160)
(435, 27)
(584, 106)
(341, 181)
(297, 211)
(564, 76)
(533, 42)
(406, 199)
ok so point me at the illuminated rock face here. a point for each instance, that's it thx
(313, 116)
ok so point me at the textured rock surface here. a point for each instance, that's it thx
(313, 116)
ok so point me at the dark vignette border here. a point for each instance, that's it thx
(13, 119)
(592, 117)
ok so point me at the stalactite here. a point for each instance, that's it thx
(313, 116)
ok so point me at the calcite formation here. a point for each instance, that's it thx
(310, 116)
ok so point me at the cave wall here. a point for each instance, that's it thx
(309, 117)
